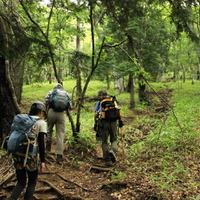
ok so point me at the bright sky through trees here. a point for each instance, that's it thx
(45, 2)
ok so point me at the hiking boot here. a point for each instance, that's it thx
(59, 159)
(112, 155)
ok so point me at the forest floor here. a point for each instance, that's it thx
(84, 176)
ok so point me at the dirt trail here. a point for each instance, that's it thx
(87, 178)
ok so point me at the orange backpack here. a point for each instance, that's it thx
(110, 109)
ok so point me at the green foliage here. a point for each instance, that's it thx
(173, 145)
(38, 91)
(80, 59)
(118, 175)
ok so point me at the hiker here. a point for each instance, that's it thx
(107, 119)
(31, 167)
(57, 102)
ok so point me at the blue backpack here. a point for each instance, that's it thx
(60, 100)
(21, 134)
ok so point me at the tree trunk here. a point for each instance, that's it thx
(132, 100)
(193, 34)
(142, 90)
(13, 47)
(8, 103)
(108, 81)
(130, 82)
(18, 73)
(119, 84)
(183, 76)
(78, 70)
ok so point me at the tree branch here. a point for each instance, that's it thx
(49, 18)
(116, 45)
(46, 39)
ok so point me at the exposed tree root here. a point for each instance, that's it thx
(37, 197)
(100, 168)
(60, 193)
(88, 190)
(43, 189)
(7, 178)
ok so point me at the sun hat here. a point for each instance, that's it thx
(58, 85)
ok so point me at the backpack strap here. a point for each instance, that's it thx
(34, 142)
(27, 150)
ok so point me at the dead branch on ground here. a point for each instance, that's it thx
(88, 190)
(60, 193)
(7, 178)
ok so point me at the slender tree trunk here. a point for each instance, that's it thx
(119, 84)
(183, 71)
(198, 71)
(142, 90)
(130, 82)
(191, 67)
(93, 68)
(49, 75)
(108, 81)
(132, 100)
(78, 70)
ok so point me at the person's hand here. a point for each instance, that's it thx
(121, 124)
(42, 167)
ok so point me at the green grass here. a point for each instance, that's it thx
(173, 147)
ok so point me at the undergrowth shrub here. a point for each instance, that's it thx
(170, 149)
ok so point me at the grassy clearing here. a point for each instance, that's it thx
(170, 153)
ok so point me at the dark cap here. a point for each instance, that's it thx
(102, 93)
(40, 106)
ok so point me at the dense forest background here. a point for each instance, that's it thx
(128, 42)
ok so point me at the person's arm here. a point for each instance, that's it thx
(70, 103)
(48, 98)
(96, 111)
(121, 123)
(96, 115)
(41, 145)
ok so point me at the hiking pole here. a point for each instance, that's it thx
(122, 143)
(27, 150)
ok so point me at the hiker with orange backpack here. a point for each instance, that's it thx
(107, 119)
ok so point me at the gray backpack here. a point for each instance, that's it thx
(60, 100)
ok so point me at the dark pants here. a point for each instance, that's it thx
(21, 184)
(108, 131)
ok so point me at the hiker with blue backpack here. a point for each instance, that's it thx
(26, 143)
(108, 118)
(57, 102)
